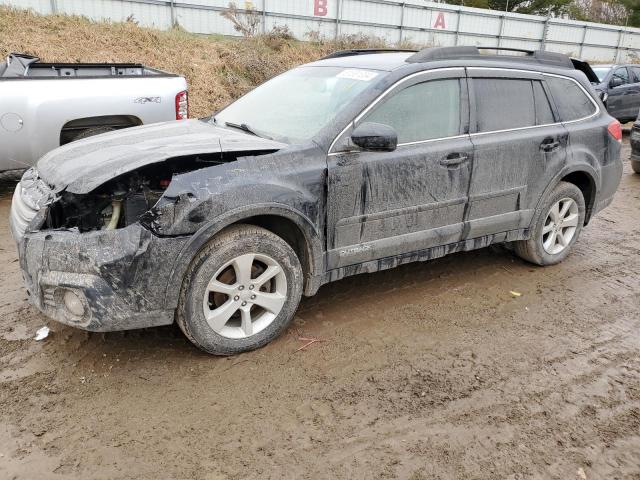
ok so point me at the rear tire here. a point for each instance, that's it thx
(91, 132)
(556, 226)
(635, 165)
(226, 305)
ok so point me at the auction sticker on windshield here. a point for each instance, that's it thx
(357, 74)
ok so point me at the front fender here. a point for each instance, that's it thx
(199, 204)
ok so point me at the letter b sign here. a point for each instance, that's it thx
(320, 8)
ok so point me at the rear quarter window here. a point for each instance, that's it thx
(572, 102)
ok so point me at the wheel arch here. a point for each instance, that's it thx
(583, 177)
(292, 226)
(587, 185)
(73, 127)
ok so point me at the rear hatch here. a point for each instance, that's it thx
(585, 68)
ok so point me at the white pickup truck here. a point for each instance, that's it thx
(45, 105)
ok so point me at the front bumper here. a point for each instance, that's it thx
(120, 277)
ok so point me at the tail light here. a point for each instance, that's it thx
(615, 130)
(182, 106)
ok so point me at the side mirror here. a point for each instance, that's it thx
(375, 136)
(616, 82)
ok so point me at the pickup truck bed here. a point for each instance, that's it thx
(26, 66)
(46, 105)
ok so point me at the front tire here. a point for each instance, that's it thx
(635, 165)
(556, 226)
(240, 292)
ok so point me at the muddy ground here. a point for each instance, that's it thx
(429, 371)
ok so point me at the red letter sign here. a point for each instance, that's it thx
(320, 8)
(440, 21)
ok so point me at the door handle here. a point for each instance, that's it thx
(549, 145)
(454, 159)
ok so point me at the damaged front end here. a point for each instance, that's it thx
(100, 281)
(89, 258)
(86, 260)
(121, 201)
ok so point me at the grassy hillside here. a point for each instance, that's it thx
(218, 69)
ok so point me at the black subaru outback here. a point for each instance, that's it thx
(359, 162)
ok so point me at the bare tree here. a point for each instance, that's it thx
(246, 21)
(603, 11)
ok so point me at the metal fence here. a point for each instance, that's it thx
(420, 22)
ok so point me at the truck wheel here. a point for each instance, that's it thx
(240, 292)
(556, 226)
(90, 132)
(635, 165)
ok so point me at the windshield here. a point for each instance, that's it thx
(601, 72)
(296, 105)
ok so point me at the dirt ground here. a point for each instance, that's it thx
(430, 371)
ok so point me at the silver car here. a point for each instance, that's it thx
(46, 105)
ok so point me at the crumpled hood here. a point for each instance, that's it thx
(80, 167)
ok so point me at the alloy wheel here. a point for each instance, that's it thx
(560, 226)
(245, 296)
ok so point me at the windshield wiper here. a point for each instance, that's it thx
(245, 128)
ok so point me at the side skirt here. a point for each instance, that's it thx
(424, 255)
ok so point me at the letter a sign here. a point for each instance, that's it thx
(439, 23)
(320, 8)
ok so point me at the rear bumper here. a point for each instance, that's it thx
(602, 204)
(634, 140)
(119, 277)
(610, 178)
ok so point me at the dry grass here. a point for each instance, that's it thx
(218, 69)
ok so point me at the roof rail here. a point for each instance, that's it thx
(450, 53)
(365, 51)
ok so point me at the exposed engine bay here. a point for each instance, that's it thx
(124, 199)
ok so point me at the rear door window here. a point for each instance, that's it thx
(424, 111)
(503, 104)
(570, 99)
(636, 74)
